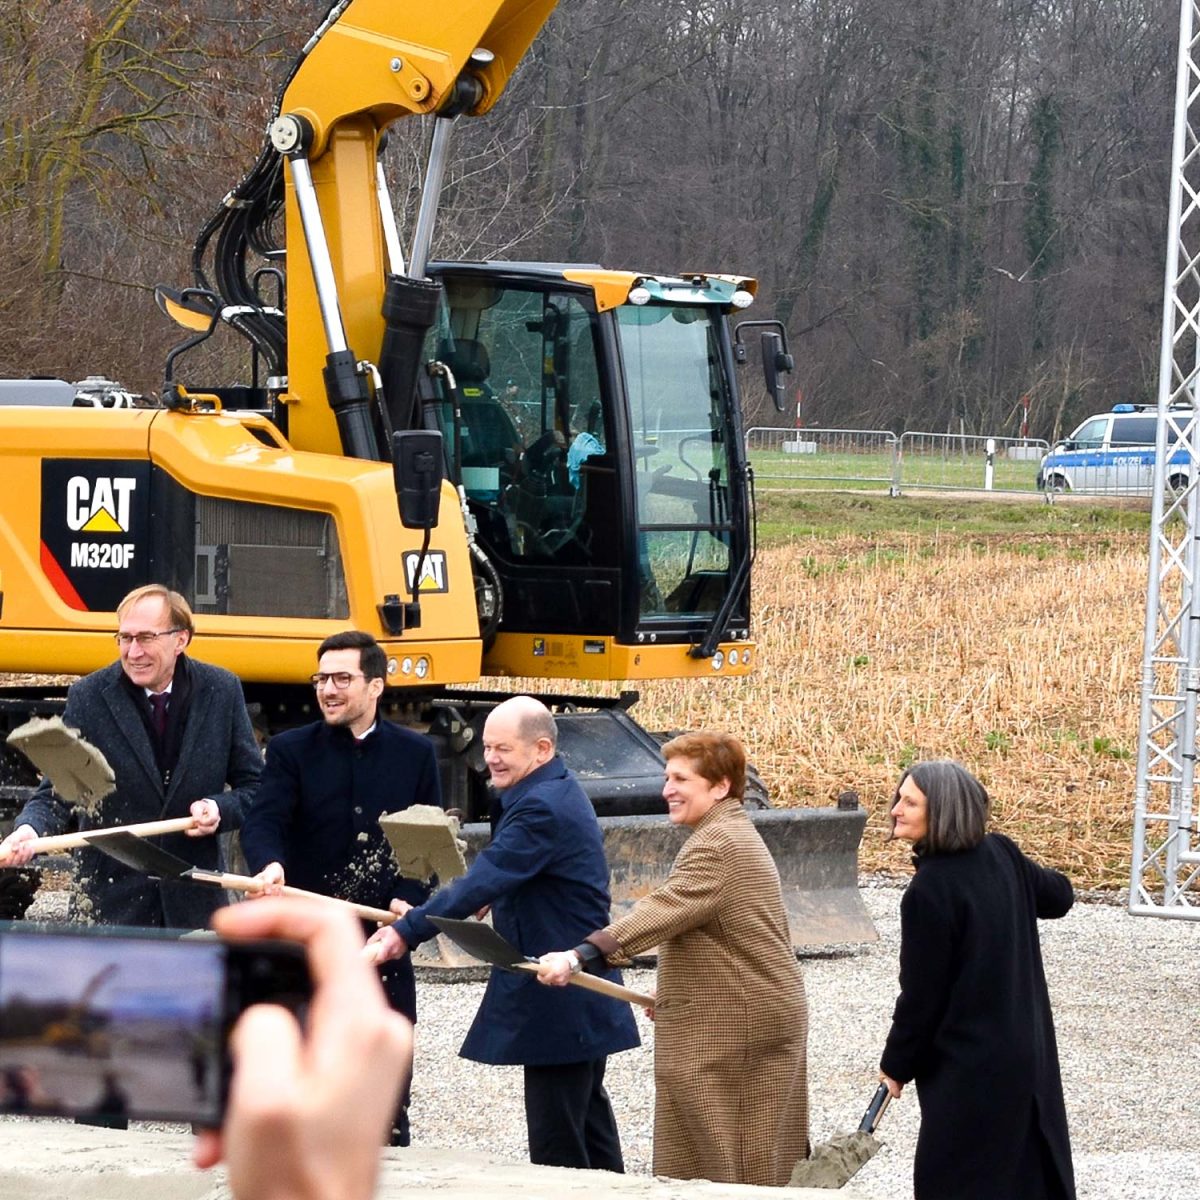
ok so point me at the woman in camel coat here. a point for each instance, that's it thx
(730, 1018)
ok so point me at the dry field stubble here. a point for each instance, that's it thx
(1020, 657)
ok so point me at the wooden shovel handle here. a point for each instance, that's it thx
(73, 841)
(245, 883)
(379, 915)
(595, 983)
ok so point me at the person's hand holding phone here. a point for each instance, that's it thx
(309, 1111)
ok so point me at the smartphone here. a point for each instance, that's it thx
(117, 1022)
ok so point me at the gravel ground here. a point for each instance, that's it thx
(1124, 991)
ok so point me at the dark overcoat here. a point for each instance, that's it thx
(317, 813)
(973, 1027)
(218, 760)
(545, 875)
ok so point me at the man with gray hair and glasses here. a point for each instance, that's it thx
(177, 736)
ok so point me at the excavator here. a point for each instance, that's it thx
(72, 1027)
(516, 470)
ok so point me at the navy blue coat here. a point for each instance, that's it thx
(217, 751)
(973, 1026)
(546, 878)
(317, 812)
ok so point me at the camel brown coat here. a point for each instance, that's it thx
(730, 1018)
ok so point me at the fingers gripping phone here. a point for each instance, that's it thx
(130, 1023)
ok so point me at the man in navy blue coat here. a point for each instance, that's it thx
(546, 879)
(315, 821)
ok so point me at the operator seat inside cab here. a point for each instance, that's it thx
(489, 437)
(490, 444)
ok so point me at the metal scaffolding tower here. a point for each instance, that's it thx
(1165, 877)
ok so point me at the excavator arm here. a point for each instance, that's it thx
(370, 63)
(385, 60)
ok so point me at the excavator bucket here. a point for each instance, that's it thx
(620, 767)
(815, 850)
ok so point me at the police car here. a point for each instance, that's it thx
(1114, 453)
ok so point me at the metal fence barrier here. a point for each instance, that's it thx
(964, 462)
(847, 456)
(874, 457)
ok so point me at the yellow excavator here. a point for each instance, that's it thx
(500, 469)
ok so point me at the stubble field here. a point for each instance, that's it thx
(1016, 652)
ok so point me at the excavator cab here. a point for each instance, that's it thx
(600, 453)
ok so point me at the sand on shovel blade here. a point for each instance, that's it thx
(424, 842)
(835, 1162)
(79, 772)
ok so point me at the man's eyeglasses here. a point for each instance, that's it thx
(339, 679)
(125, 640)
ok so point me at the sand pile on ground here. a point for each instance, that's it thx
(56, 1160)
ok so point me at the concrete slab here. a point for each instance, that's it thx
(57, 1160)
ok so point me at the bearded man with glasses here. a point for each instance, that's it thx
(177, 736)
(315, 821)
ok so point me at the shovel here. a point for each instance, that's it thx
(834, 1163)
(159, 864)
(74, 841)
(484, 943)
(78, 771)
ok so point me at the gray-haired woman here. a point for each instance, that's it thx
(972, 1024)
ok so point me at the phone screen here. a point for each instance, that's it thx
(127, 1026)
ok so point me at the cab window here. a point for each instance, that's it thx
(677, 406)
(531, 437)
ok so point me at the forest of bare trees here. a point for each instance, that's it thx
(951, 204)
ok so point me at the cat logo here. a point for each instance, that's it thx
(434, 577)
(99, 505)
(95, 523)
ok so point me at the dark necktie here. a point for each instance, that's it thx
(158, 713)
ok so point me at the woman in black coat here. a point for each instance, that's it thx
(972, 1024)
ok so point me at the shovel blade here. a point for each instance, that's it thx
(134, 852)
(835, 1162)
(480, 941)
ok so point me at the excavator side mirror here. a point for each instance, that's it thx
(195, 309)
(776, 363)
(417, 467)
